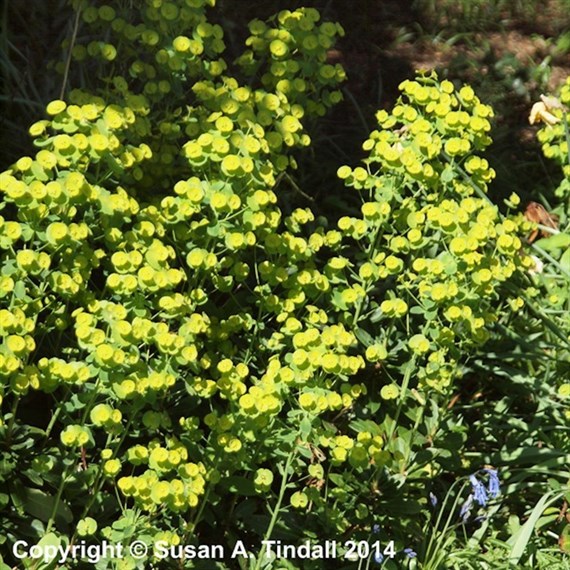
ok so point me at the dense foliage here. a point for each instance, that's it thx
(187, 359)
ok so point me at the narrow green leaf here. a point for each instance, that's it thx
(519, 541)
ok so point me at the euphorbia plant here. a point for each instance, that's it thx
(188, 341)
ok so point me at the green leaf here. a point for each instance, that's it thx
(554, 484)
(102, 127)
(449, 263)
(9, 266)
(305, 427)
(447, 174)
(366, 425)
(116, 167)
(338, 301)
(558, 241)
(33, 476)
(519, 541)
(20, 290)
(39, 173)
(565, 259)
(8, 463)
(17, 491)
(70, 128)
(53, 543)
(214, 230)
(364, 337)
(41, 505)
(376, 315)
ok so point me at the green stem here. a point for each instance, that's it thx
(12, 418)
(405, 382)
(547, 322)
(54, 418)
(413, 433)
(200, 512)
(96, 487)
(71, 45)
(295, 187)
(62, 483)
(435, 534)
(550, 259)
(277, 507)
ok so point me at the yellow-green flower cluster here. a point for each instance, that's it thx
(106, 417)
(55, 371)
(483, 251)
(322, 349)
(264, 398)
(17, 344)
(76, 436)
(243, 133)
(172, 42)
(263, 480)
(85, 132)
(431, 128)
(447, 251)
(106, 332)
(296, 52)
(359, 452)
(151, 491)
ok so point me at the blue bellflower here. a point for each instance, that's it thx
(494, 486)
(479, 491)
(433, 499)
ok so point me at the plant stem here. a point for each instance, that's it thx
(68, 59)
(405, 382)
(12, 418)
(434, 534)
(58, 498)
(277, 507)
(53, 419)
